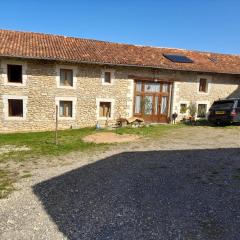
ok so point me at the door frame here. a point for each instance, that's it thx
(158, 118)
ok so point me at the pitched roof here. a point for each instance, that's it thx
(53, 47)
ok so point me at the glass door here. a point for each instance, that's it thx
(151, 101)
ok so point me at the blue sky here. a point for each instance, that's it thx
(208, 25)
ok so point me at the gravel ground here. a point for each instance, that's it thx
(183, 186)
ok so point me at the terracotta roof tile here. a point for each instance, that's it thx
(53, 47)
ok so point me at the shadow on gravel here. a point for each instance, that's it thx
(180, 194)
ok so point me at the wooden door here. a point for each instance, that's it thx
(151, 101)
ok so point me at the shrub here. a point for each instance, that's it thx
(192, 109)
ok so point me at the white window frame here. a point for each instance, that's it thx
(208, 83)
(5, 107)
(202, 102)
(74, 69)
(5, 73)
(112, 74)
(112, 101)
(74, 105)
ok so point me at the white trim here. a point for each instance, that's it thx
(5, 76)
(58, 67)
(5, 107)
(112, 101)
(112, 73)
(74, 104)
(203, 102)
(131, 101)
(208, 82)
(175, 97)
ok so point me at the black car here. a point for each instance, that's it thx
(225, 111)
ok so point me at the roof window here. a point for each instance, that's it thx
(178, 58)
(213, 59)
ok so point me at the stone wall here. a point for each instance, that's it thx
(219, 86)
(41, 91)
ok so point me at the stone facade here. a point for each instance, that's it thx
(40, 92)
(186, 89)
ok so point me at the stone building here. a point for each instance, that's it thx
(94, 81)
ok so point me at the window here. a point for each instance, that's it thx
(148, 105)
(138, 104)
(164, 105)
(65, 109)
(66, 77)
(105, 109)
(156, 105)
(203, 85)
(14, 73)
(202, 110)
(183, 108)
(107, 77)
(165, 87)
(138, 86)
(226, 104)
(152, 87)
(238, 104)
(15, 107)
(213, 59)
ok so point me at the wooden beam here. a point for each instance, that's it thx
(140, 78)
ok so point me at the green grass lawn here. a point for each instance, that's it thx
(152, 131)
(43, 143)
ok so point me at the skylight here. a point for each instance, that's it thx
(178, 58)
(213, 59)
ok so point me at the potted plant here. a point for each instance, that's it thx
(183, 111)
(192, 111)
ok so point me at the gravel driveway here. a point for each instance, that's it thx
(183, 186)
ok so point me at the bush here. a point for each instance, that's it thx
(192, 109)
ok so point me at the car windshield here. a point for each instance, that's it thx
(222, 104)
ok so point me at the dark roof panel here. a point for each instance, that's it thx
(178, 58)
